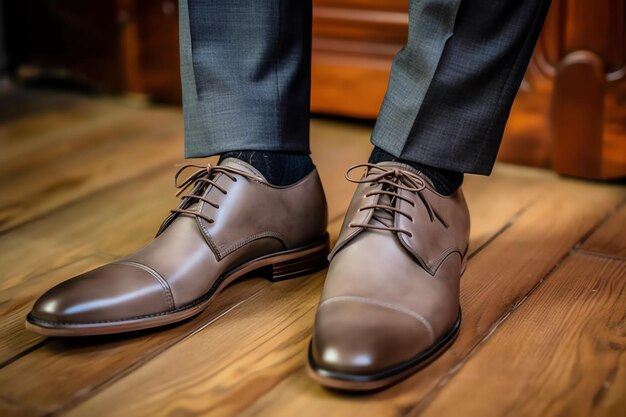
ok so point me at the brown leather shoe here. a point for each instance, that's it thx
(232, 222)
(391, 299)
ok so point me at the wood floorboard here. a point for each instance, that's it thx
(257, 378)
(10, 409)
(563, 348)
(610, 238)
(26, 103)
(109, 153)
(67, 123)
(245, 354)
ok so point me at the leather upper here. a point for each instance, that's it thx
(249, 217)
(392, 291)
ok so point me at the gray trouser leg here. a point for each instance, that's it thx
(246, 72)
(452, 86)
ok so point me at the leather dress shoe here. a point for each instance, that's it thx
(390, 303)
(231, 222)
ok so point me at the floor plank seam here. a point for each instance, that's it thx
(255, 346)
(602, 221)
(501, 230)
(80, 199)
(283, 376)
(421, 405)
(300, 368)
(25, 352)
(586, 252)
(92, 391)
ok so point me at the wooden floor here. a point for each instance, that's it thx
(84, 181)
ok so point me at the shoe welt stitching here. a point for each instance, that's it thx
(166, 288)
(364, 300)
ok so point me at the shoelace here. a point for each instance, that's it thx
(393, 180)
(200, 180)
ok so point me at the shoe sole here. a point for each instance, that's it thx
(375, 381)
(274, 267)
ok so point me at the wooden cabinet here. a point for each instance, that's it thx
(114, 45)
(354, 42)
(583, 57)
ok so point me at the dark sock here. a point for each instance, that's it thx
(445, 182)
(278, 168)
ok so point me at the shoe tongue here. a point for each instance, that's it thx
(242, 166)
(382, 215)
(385, 216)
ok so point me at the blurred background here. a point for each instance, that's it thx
(570, 114)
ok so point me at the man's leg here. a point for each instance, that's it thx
(246, 75)
(391, 297)
(245, 68)
(446, 108)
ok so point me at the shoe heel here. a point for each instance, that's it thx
(302, 263)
